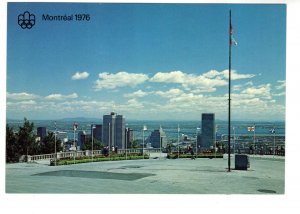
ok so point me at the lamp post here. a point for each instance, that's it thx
(182, 138)
(198, 129)
(160, 145)
(273, 131)
(233, 139)
(93, 127)
(109, 140)
(55, 144)
(216, 140)
(160, 131)
(74, 146)
(254, 140)
(144, 129)
(126, 133)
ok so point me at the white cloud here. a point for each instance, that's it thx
(138, 93)
(281, 84)
(80, 75)
(169, 77)
(61, 96)
(249, 83)
(133, 103)
(237, 87)
(240, 87)
(279, 94)
(120, 79)
(212, 74)
(27, 102)
(24, 102)
(170, 93)
(263, 91)
(21, 96)
(235, 75)
(206, 82)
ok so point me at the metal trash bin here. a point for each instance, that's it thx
(242, 162)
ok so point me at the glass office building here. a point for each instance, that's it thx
(208, 131)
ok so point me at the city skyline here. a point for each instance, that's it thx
(155, 61)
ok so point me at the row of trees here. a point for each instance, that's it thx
(23, 142)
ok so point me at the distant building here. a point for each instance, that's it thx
(97, 132)
(68, 145)
(208, 131)
(113, 130)
(41, 132)
(120, 132)
(158, 137)
(129, 137)
(81, 139)
(108, 129)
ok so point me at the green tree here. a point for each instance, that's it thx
(135, 144)
(97, 145)
(48, 144)
(26, 139)
(12, 150)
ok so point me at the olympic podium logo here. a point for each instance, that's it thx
(26, 20)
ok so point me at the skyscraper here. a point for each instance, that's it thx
(208, 131)
(41, 132)
(81, 139)
(120, 132)
(158, 137)
(97, 132)
(129, 137)
(113, 130)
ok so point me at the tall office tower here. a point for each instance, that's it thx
(120, 132)
(97, 132)
(158, 137)
(129, 137)
(113, 130)
(208, 131)
(41, 132)
(81, 139)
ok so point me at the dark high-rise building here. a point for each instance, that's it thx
(158, 137)
(41, 132)
(81, 139)
(108, 129)
(113, 130)
(208, 131)
(129, 137)
(97, 132)
(120, 132)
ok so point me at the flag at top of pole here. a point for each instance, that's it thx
(145, 128)
(251, 129)
(75, 126)
(232, 40)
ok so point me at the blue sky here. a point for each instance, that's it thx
(147, 61)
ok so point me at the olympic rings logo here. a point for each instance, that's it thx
(26, 20)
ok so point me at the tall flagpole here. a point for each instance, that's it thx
(229, 88)
(74, 146)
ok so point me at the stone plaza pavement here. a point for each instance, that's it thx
(154, 176)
